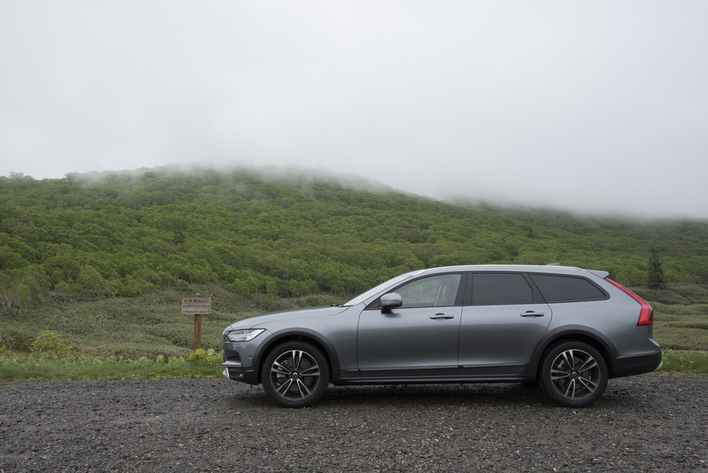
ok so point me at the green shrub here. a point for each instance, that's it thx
(206, 356)
(320, 300)
(693, 292)
(17, 339)
(270, 303)
(49, 345)
(180, 335)
(663, 296)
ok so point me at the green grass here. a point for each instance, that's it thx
(681, 327)
(105, 368)
(693, 362)
(134, 327)
(84, 337)
(680, 316)
(52, 359)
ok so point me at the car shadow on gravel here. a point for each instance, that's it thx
(456, 394)
(411, 395)
(414, 395)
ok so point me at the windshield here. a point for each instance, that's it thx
(372, 292)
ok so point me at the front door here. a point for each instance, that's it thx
(418, 339)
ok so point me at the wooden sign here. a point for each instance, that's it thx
(196, 305)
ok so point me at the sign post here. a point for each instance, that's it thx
(198, 306)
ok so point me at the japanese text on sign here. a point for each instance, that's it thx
(196, 305)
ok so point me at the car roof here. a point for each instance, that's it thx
(550, 268)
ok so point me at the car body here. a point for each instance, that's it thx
(567, 329)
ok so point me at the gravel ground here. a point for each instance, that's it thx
(645, 423)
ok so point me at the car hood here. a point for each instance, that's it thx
(261, 321)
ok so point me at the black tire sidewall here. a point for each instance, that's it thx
(315, 353)
(545, 377)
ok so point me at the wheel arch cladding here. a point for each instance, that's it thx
(318, 343)
(580, 337)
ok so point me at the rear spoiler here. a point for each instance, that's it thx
(600, 274)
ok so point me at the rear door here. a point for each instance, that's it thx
(503, 321)
(417, 339)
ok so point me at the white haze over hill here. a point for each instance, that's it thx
(594, 107)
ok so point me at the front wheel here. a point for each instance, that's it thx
(295, 374)
(574, 374)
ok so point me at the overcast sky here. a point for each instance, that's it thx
(586, 106)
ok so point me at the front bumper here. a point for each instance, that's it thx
(235, 371)
(240, 360)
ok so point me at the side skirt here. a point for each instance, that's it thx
(431, 380)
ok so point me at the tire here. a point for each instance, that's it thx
(573, 374)
(295, 374)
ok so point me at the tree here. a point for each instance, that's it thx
(90, 280)
(657, 279)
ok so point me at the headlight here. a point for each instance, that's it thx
(244, 335)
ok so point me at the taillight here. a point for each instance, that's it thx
(646, 316)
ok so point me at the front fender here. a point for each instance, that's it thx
(303, 334)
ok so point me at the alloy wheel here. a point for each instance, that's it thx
(295, 375)
(575, 374)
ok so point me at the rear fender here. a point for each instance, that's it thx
(578, 332)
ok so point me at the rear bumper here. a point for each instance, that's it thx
(629, 366)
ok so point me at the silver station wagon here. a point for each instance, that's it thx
(568, 329)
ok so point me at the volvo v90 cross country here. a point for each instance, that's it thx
(568, 329)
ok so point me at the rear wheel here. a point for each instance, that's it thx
(574, 374)
(295, 374)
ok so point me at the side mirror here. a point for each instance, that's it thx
(390, 301)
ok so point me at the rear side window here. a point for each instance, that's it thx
(500, 289)
(558, 288)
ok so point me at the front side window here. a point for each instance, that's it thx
(500, 289)
(435, 291)
(371, 292)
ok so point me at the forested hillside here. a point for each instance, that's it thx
(129, 233)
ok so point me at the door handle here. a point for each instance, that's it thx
(442, 317)
(531, 313)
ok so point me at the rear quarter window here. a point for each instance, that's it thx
(558, 288)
